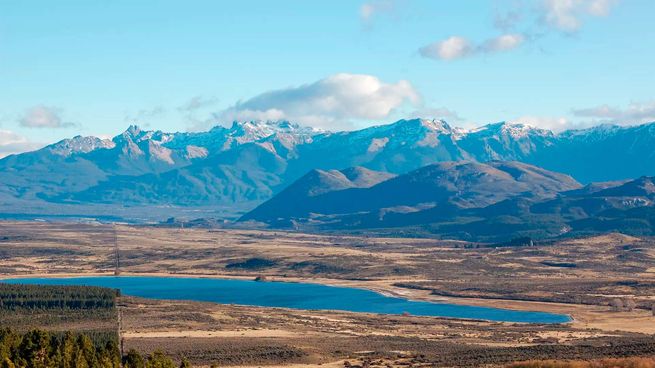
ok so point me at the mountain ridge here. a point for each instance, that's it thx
(249, 162)
(452, 185)
(490, 202)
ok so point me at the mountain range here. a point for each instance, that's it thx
(494, 201)
(230, 171)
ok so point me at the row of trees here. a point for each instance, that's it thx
(41, 349)
(14, 296)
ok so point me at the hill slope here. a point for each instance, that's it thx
(441, 188)
(496, 201)
(243, 165)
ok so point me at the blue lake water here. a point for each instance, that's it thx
(291, 295)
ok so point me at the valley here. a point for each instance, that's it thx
(327, 184)
(581, 277)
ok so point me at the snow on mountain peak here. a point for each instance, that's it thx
(79, 144)
(135, 134)
(159, 152)
(513, 130)
(250, 131)
(436, 125)
(598, 131)
(133, 130)
(132, 133)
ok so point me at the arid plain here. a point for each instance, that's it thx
(606, 284)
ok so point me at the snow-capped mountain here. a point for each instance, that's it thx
(249, 162)
(79, 144)
(504, 141)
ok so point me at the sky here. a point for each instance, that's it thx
(94, 67)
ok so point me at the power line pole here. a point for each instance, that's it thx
(117, 259)
(119, 311)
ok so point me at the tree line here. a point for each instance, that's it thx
(20, 296)
(42, 349)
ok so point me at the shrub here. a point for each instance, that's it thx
(603, 363)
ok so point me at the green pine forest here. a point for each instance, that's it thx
(30, 338)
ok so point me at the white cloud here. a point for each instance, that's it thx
(271, 114)
(370, 9)
(196, 112)
(567, 15)
(456, 47)
(503, 43)
(438, 113)
(335, 102)
(601, 8)
(510, 18)
(635, 113)
(11, 143)
(42, 116)
(521, 23)
(145, 114)
(197, 103)
(366, 11)
(556, 124)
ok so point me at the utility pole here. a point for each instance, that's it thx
(119, 311)
(117, 260)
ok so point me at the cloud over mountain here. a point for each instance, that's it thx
(634, 113)
(334, 102)
(42, 116)
(11, 143)
(196, 103)
(145, 114)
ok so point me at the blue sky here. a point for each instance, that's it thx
(93, 67)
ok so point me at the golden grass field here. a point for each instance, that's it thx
(579, 277)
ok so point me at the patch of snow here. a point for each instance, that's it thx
(431, 139)
(439, 126)
(252, 131)
(512, 130)
(459, 133)
(267, 146)
(80, 144)
(160, 152)
(377, 144)
(196, 152)
(636, 202)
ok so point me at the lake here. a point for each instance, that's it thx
(291, 295)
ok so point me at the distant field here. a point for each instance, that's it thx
(589, 271)
(209, 333)
(606, 283)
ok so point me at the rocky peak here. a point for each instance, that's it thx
(250, 131)
(79, 144)
(513, 130)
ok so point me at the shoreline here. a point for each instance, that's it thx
(582, 316)
(382, 287)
